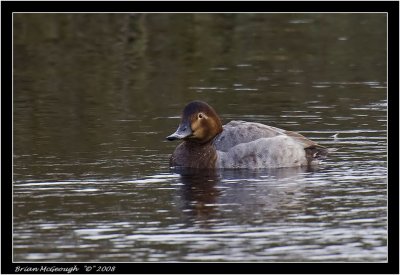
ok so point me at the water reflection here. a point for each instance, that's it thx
(239, 193)
(199, 194)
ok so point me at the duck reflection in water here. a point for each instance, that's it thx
(210, 196)
(199, 194)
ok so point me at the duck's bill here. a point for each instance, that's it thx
(182, 132)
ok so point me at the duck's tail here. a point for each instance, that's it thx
(316, 152)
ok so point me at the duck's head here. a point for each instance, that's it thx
(199, 123)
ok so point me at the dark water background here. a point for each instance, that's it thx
(95, 95)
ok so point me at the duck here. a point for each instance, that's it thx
(206, 143)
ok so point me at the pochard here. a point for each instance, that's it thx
(238, 144)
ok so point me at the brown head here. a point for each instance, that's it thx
(199, 123)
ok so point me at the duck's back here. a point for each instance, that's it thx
(239, 132)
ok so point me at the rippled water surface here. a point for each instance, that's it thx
(95, 95)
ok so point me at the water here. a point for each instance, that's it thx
(95, 95)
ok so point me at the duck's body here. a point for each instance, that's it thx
(238, 144)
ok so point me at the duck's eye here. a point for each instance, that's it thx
(200, 115)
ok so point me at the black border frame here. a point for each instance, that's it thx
(389, 7)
